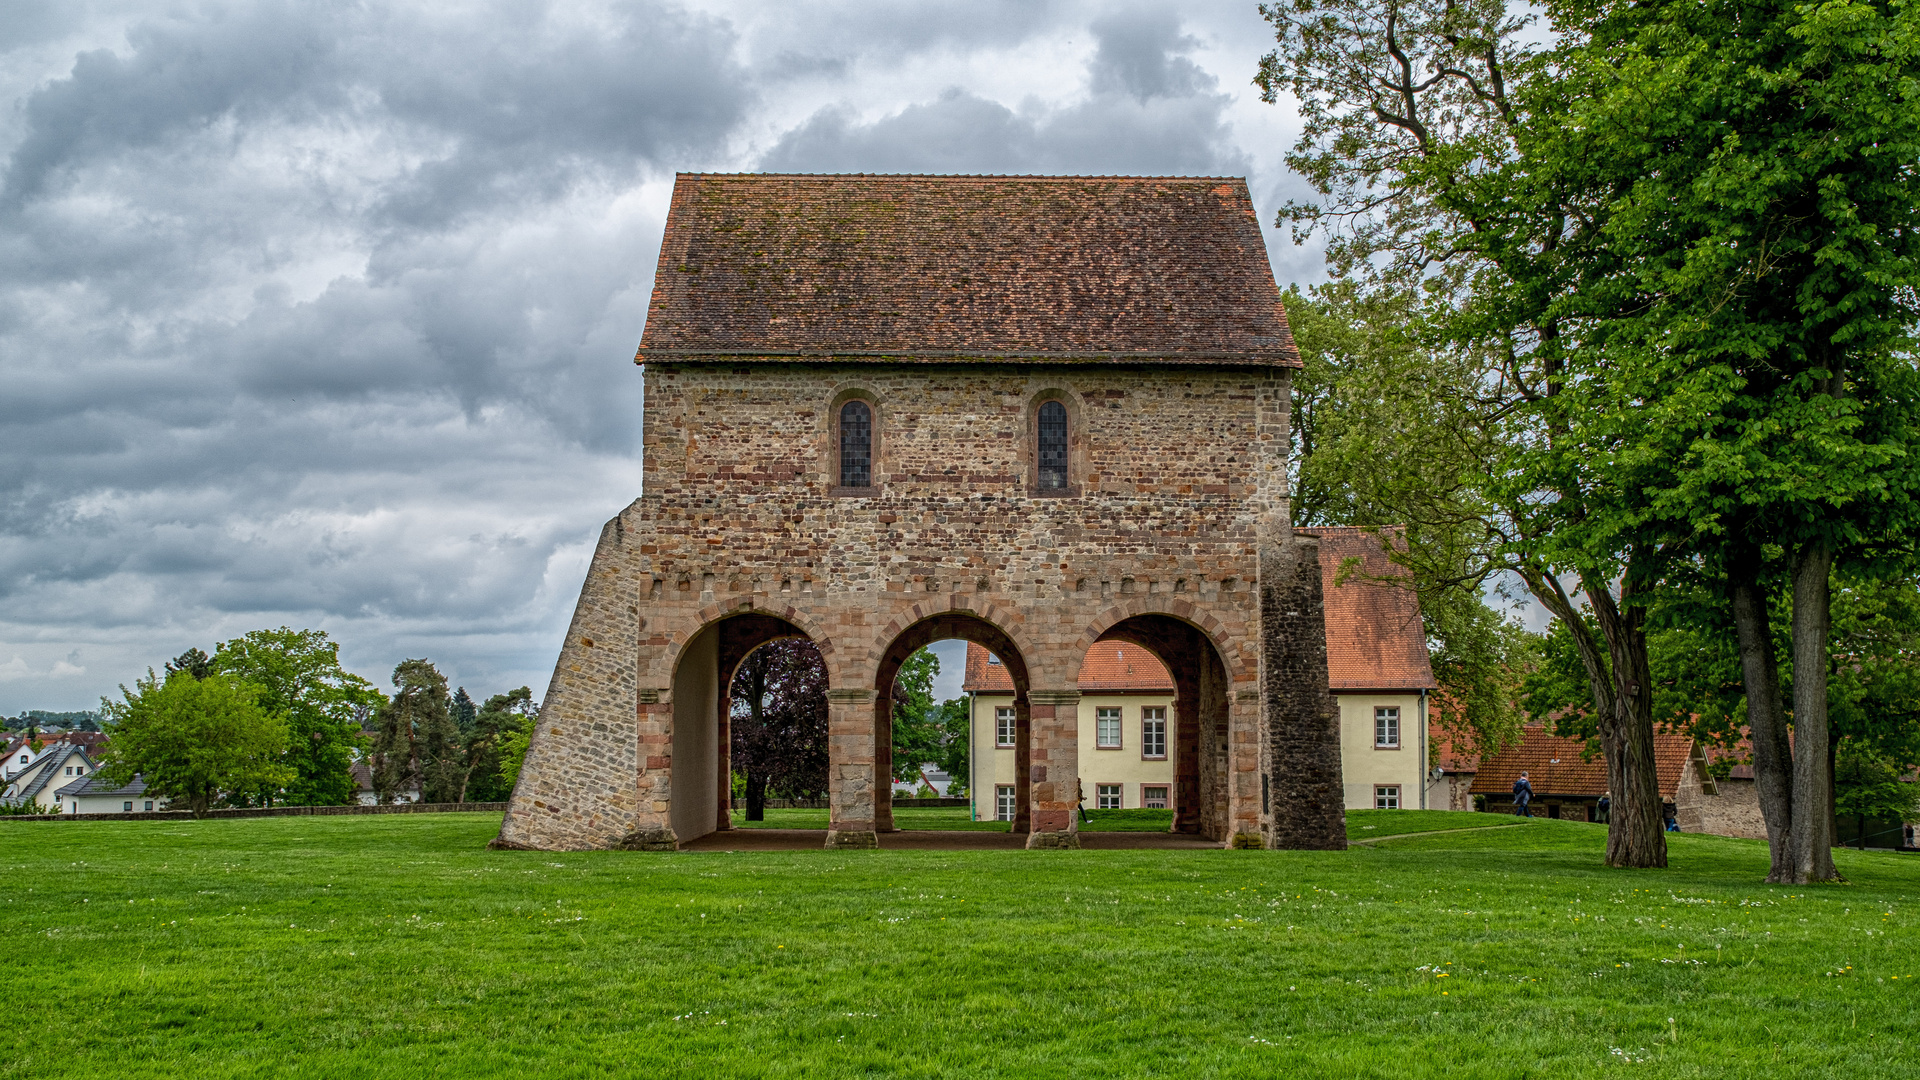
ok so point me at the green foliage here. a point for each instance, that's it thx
(42, 720)
(414, 740)
(497, 747)
(1869, 786)
(300, 678)
(779, 722)
(1386, 436)
(925, 731)
(194, 740)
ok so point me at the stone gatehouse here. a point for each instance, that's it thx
(1033, 413)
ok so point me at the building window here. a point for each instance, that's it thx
(128, 805)
(1107, 796)
(1154, 796)
(1003, 802)
(1386, 797)
(1386, 729)
(69, 770)
(1106, 729)
(1153, 732)
(148, 805)
(1053, 446)
(1005, 726)
(856, 445)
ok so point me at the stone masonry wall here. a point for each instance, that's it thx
(1173, 486)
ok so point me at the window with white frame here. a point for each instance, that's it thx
(1108, 796)
(1106, 728)
(1005, 726)
(1386, 728)
(1153, 731)
(1386, 797)
(1003, 802)
(1153, 796)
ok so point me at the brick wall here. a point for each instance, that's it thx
(1178, 486)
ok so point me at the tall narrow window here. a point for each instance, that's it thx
(1003, 804)
(1053, 446)
(1005, 726)
(1153, 731)
(856, 445)
(1106, 729)
(1386, 729)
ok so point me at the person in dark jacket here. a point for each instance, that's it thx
(1522, 796)
(1605, 814)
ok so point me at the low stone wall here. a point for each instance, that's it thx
(821, 804)
(273, 811)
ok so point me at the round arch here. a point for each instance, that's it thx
(902, 642)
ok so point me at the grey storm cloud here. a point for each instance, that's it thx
(324, 313)
(1148, 110)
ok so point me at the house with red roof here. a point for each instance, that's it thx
(1708, 788)
(1378, 672)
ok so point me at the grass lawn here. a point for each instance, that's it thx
(917, 818)
(399, 946)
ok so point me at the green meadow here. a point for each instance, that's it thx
(400, 946)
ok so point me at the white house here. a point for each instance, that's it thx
(94, 795)
(42, 779)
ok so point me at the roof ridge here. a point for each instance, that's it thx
(957, 176)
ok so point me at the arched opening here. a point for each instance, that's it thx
(962, 626)
(700, 797)
(1194, 732)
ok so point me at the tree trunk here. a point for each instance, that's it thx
(1636, 831)
(1813, 829)
(756, 797)
(1766, 712)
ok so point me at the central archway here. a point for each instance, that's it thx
(944, 626)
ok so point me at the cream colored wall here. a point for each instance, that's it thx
(1363, 767)
(1124, 766)
(994, 765)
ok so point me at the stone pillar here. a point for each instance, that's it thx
(1054, 772)
(1022, 764)
(850, 763)
(723, 821)
(883, 763)
(1304, 805)
(1187, 743)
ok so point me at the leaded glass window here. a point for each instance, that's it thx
(1053, 446)
(856, 445)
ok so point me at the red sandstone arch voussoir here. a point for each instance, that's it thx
(744, 605)
(1206, 622)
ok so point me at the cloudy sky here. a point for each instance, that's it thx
(323, 314)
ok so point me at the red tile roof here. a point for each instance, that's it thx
(1454, 750)
(932, 267)
(1555, 766)
(1375, 640)
(1110, 666)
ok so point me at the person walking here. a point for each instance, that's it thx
(1522, 796)
(1605, 808)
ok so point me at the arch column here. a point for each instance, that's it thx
(851, 761)
(1054, 772)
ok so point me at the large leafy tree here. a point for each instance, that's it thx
(1427, 133)
(1758, 403)
(778, 703)
(325, 707)
(194, 740)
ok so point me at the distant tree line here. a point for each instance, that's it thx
(273, 718)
